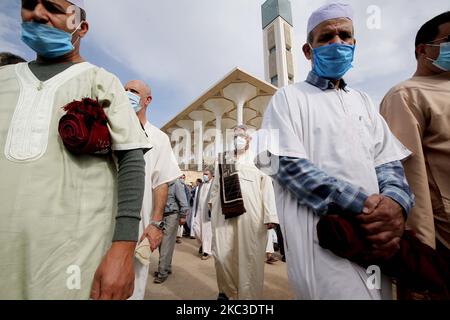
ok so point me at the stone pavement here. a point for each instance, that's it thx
(195, 279)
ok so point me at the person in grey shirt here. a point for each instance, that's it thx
(175, 212)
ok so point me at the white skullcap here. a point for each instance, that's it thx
(328, 12)
(78, 3)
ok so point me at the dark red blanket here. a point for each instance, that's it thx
(416, 264)
(84, 128)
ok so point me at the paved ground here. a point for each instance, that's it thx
(194, 279)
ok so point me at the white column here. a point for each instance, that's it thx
(240, 113)
(187, 145)
(240, 93)
(187, 126)
(218, 133)
(201, 119)
(198, 135)
(219, 107)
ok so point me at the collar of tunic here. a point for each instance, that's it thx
(324, 84)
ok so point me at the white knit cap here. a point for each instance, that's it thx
(78, 3)
(328, 12)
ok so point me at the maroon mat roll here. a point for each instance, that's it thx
(416, 264)
(84, 128)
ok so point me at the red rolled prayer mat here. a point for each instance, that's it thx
(84, 128)
(416, 264)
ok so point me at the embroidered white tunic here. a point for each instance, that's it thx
(343, 134)
(58, 210)
(160, 167)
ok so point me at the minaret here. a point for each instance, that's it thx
(279, 62)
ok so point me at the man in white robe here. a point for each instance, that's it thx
(329, 149)
(191, 217)
(239, 243)
(160, 168)
(270, 249)
(202, 215)
(60, 211)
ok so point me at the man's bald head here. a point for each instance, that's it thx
(141, 89)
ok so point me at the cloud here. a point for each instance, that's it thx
(10, 29)
(182, 47)
(188, 44)
(385, 55)
(9, 25)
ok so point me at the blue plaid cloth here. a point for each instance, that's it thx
(393, 184)
(324, 84)
(324, 194)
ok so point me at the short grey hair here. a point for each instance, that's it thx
(242, 127)
(209, 168)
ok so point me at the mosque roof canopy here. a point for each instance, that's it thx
(222, 99)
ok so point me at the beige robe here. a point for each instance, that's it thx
(239, 244)
(57, 210)
(418, 113)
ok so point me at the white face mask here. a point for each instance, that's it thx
(240, 143)
(205, 178)
(135, 101)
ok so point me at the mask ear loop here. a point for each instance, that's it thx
(76, 29)
(432, 45)
(433, 60)
(312, 52)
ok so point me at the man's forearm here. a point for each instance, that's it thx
(317, 190)
(393, 184)
(160, 194)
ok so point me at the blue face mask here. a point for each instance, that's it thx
(47, 41)
(443, 61)
(135, 101)
(205, 178)
(333, 61)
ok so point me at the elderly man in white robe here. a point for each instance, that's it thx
(69, 221)
(329, 150)
(160, 168)
(243, 209)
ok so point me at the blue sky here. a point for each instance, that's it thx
(182, 47)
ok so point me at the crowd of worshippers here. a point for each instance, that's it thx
(354, 185)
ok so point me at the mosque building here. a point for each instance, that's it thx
(204, 128)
